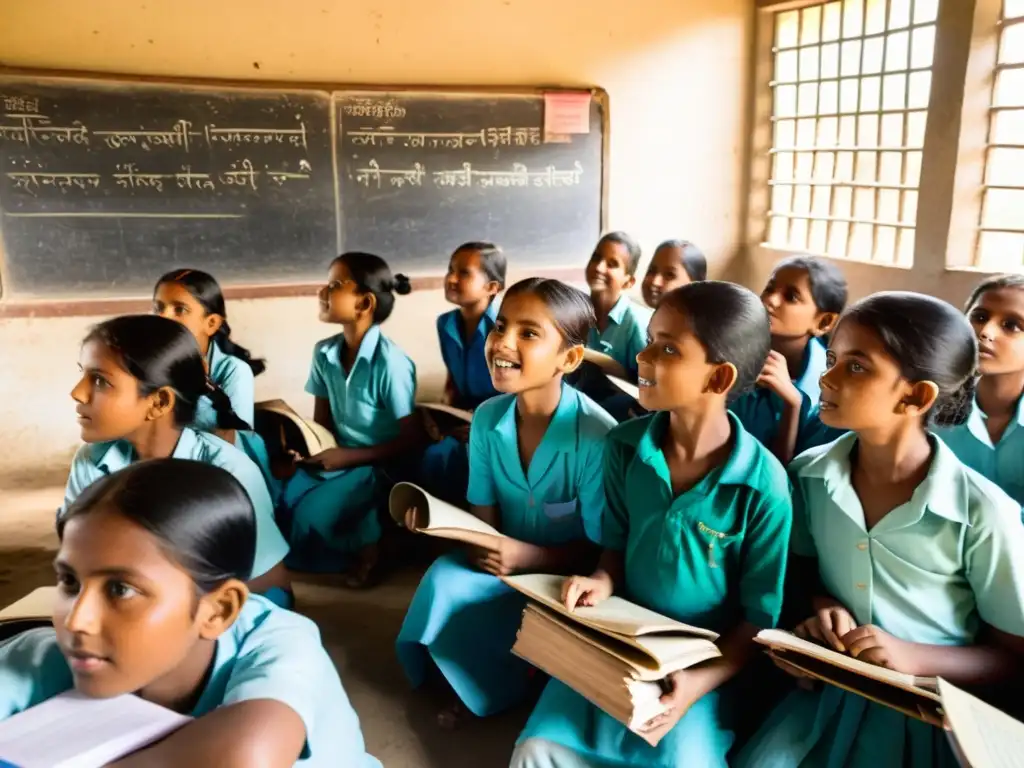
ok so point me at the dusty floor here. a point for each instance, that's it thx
(358, 630)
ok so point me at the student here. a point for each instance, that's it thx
(675, 263)
(916, 558)
(194, 299)
(697, 520)
(991, 441)
(620, 330)
(804, 297)
(142, 377)
(535, 456)
(476, 275)
(365, 389)
(152, 600)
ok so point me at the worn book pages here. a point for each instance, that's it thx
(74, 731)
(613, 615)
(439, 518)
(312, 438)
(985, 737)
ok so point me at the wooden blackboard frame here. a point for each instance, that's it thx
(14, 307)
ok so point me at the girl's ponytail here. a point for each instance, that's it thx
(223, 339)
(226, 416)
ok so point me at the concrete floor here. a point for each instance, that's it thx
(358, 628)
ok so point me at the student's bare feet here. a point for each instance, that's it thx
(453, 717)
(366, 572)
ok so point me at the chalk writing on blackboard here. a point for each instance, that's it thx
(129, 176)
(28, 128)
(487, 137)
(372, 108)
(466, 176)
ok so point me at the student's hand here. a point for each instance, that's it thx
(411, 519)
(831, 622)
(330, 460)
(679, 698)
(504, 559)
(775, 376)
(580, 591)
(878, 647)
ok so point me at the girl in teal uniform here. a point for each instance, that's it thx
(152, 600)
(620, 329)
(365, 389)
(194, 299)
(142, 377)
(804, 297)
(917, 561)
(476, 275)
(991, 441)
(697, 520)
(535, 455)
(675, 263)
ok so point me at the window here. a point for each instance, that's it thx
(850, 90)
(1001, 235)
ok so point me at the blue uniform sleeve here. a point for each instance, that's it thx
(239, 385)
(32, 670)
(765, 545)
(591, 493)
(994, 562)
(481, 491)
(801, 542)
(399, 387)
(615, 526)
(316, 384)
(83, 474)
(288, 664)
(271, 546)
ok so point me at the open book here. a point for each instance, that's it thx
(283, 430)
(615, 654)
(74, 731)
(439, 518)
(982, 736)
(911, 695)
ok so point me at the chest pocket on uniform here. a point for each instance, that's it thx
(561, 511)
(719, 545)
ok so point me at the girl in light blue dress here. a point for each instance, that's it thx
(916, 561)
(194, 299)
(991, 441)
(476, 275)
(142, 377)
(364, 387)
(696, 526)
(804, 297)
(152, 601)
(535, 457)
(675, 263)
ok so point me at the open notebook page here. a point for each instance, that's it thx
(987, 737)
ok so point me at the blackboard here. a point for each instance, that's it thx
(423, 171)
(106, 184)
(106, 187)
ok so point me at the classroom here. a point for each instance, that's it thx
(881, 138)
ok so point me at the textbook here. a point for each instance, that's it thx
(914, 696)
(92, 732)
(981, 735)
(615, 654)
(282, 429)
(439, 518)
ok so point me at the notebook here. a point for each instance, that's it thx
(283, 430)
(982, 736)
(914, 696)
(616, 654)
(439, 518)
(92, 732)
